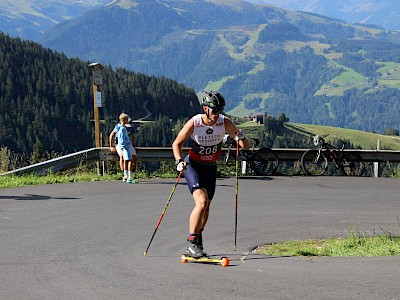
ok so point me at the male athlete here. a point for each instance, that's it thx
(206, 132)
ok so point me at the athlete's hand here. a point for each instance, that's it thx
(112, 149)
(181, 166)
(239, 135)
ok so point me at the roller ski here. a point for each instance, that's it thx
(194, 252)
(223, 261)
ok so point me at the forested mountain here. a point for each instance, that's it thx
(46, 99)
(316, 69)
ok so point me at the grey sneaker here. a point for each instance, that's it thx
(193, 248)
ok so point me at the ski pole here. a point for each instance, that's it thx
(163, 212)
(237, 190)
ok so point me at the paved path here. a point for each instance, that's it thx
(86, 240)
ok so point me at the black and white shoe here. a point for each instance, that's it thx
(193, 247)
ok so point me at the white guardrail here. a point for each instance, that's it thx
(165, 154)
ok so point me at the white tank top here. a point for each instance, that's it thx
(207, 140)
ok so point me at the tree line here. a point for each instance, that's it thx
(47, 98)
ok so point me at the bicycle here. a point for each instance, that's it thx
(263, 162)
(316, 161)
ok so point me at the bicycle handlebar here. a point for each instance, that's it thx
(319, 138)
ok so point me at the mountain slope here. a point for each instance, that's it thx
(315, 69)
(384, 13)
(28, 19)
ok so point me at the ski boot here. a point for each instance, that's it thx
(193, 248)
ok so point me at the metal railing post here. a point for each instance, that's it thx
(376, 164)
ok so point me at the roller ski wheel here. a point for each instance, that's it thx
(223, 261)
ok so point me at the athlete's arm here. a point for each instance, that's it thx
(233, 131)
(182, 137)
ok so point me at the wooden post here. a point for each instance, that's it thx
(96, 118)
(97, 81)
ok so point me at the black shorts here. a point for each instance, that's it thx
(201, 176)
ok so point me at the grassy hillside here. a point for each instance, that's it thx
(367, 140)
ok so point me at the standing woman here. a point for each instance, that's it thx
(206, 132)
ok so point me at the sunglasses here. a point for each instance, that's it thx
(217, 110)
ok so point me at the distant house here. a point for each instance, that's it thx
(258, 117)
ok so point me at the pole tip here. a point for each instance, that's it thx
(145, 253)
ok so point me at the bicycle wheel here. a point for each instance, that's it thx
(264, 162)
(352, 164)
(314, 162)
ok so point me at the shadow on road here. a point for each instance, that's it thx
(243, 257)
(261, 178)
(32, 197)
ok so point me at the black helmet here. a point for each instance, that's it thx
(213, 100)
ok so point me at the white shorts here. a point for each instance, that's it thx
(126, 153)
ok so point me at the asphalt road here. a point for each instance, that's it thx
(86, 240)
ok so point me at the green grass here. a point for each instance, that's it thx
(248, 48)
(390, 69)
(390, 78)
(216, 85)
(240, 110)
(32, 179)
(390, 75)
(11, 181)
(317, 47)
(346, 80)
(354, 245)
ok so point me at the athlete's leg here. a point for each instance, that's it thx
(194, 246)
(199, 214)
(195, 175)
(209, 183)
(205, 215)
